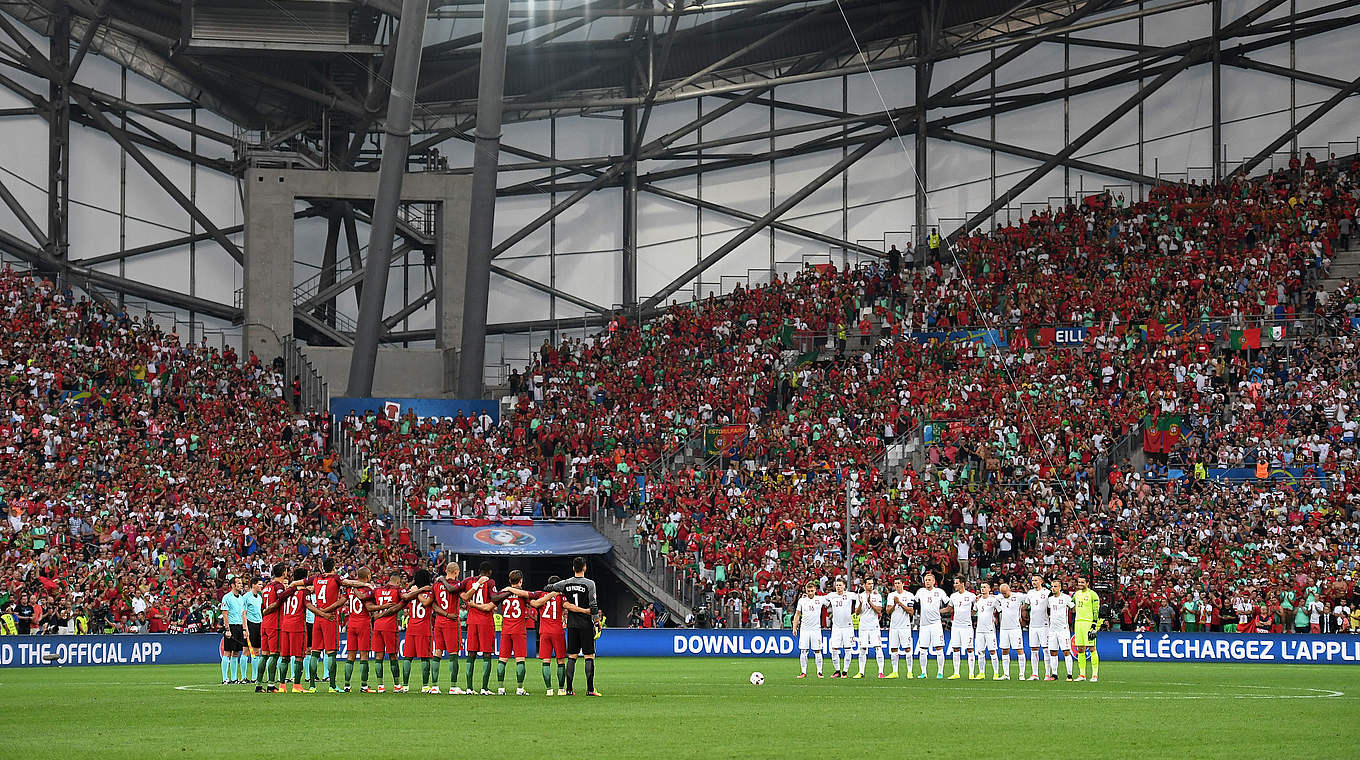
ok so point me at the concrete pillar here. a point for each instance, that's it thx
(268, 279)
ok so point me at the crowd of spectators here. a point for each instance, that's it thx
(139, 472)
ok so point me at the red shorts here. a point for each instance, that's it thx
(513, 644)
(359, 638)
(325, 635)
(447, 637)
(384, 642)
(270, 639)
(481, 637)
(417, 645)
(552, 643)
(293, 643)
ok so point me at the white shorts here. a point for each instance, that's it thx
(899, 639)
(984, 641)
(1013, 638)
(871, 638)
(961, 638)
(842, 638)
(1059, 639)
(810, 639)
(930, 637)
(1038, 637)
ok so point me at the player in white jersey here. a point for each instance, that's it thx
(900, 604)
(870, 634)
(1012, 637)
(984, 635)
(842, 606)
(1036, 601)
(1059, 632)
(930, 599)
(961, 627)
(807, 621)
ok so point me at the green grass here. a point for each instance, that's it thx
(697, 708)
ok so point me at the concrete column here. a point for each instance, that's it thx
(268, 278)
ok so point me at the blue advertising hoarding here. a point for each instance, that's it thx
(540, 539)
(424, 408)
(1114, 646)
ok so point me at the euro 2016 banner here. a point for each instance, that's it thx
(185, 649)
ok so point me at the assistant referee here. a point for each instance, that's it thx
(583, 609)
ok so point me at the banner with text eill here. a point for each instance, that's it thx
(423, 408)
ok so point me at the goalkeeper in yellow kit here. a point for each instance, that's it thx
(1087, 605)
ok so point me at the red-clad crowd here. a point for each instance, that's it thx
(180, 459)
(135, 471)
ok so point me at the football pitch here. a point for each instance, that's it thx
(696, 708)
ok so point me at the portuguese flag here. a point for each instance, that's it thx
(727, 440)
(1240, 339)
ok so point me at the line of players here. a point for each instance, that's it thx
(433, 631)
(974, 632)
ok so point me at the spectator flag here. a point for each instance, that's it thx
(727, 440)
(1171, 429)
(1277, 333)
(1240, 339)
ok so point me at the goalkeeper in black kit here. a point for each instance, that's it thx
(583, 610)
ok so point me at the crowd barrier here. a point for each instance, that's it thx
(183, 649)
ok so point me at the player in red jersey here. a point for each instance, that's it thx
(514, 615)
(479, 593)
(419, 631)
(552, 637)
(326, 628)
(389, 600)
(448, 630)
(359, 630)
(273, 595)
(293, 627)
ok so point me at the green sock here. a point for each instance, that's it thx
(547, 674)
(330, 667)
(363, 673)
(425, 672)
(472, 667)
(349, 671)
(500, 673)
(311, 669)
(268, 668)
(297, 670)
(396, 671)
(453, 669)
(274, 668)
(282, 671)
(486, 670)
(406, 672)
(561, 675)
(1095, 662)
(380, 670)
(434, 675)
(519, 674)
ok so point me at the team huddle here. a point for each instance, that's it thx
(298, 622)
(982, 625)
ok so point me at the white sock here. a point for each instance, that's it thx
(924, 656)
(894, 660)
(802, 660)
(955, 655)
(836, 659)
(972, 663)
(878, 655)
(1006, 663)
(863, 655)
(819, 661)
(1034, 660)
(996, 667)
(1021, 654)
(1071, 666)
(939, 660)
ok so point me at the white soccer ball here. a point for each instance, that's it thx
(757, 678)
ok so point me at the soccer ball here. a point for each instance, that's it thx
(757, 678)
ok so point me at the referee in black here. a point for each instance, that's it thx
(583, 610)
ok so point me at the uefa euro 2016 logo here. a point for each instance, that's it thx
(503, 537)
